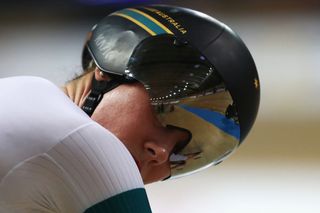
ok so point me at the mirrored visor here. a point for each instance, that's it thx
(215, 134)
(187, 92)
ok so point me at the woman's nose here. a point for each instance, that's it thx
(157, 153)
(172, 140)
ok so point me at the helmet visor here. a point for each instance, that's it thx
(188, 92)
(214, 134)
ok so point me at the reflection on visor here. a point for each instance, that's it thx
(187, 91)
(214, 134)
(219, 120)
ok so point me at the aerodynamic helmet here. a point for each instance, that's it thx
(198, 72)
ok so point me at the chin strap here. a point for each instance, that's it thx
(99, 88)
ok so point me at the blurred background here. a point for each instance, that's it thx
(277, 168)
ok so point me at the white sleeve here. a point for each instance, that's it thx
(89, 166)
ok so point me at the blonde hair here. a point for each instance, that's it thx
(90, 68)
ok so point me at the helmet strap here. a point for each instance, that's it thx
(99, 88)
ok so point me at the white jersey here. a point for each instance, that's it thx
(54, 158)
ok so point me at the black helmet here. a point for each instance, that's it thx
(199, 74)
